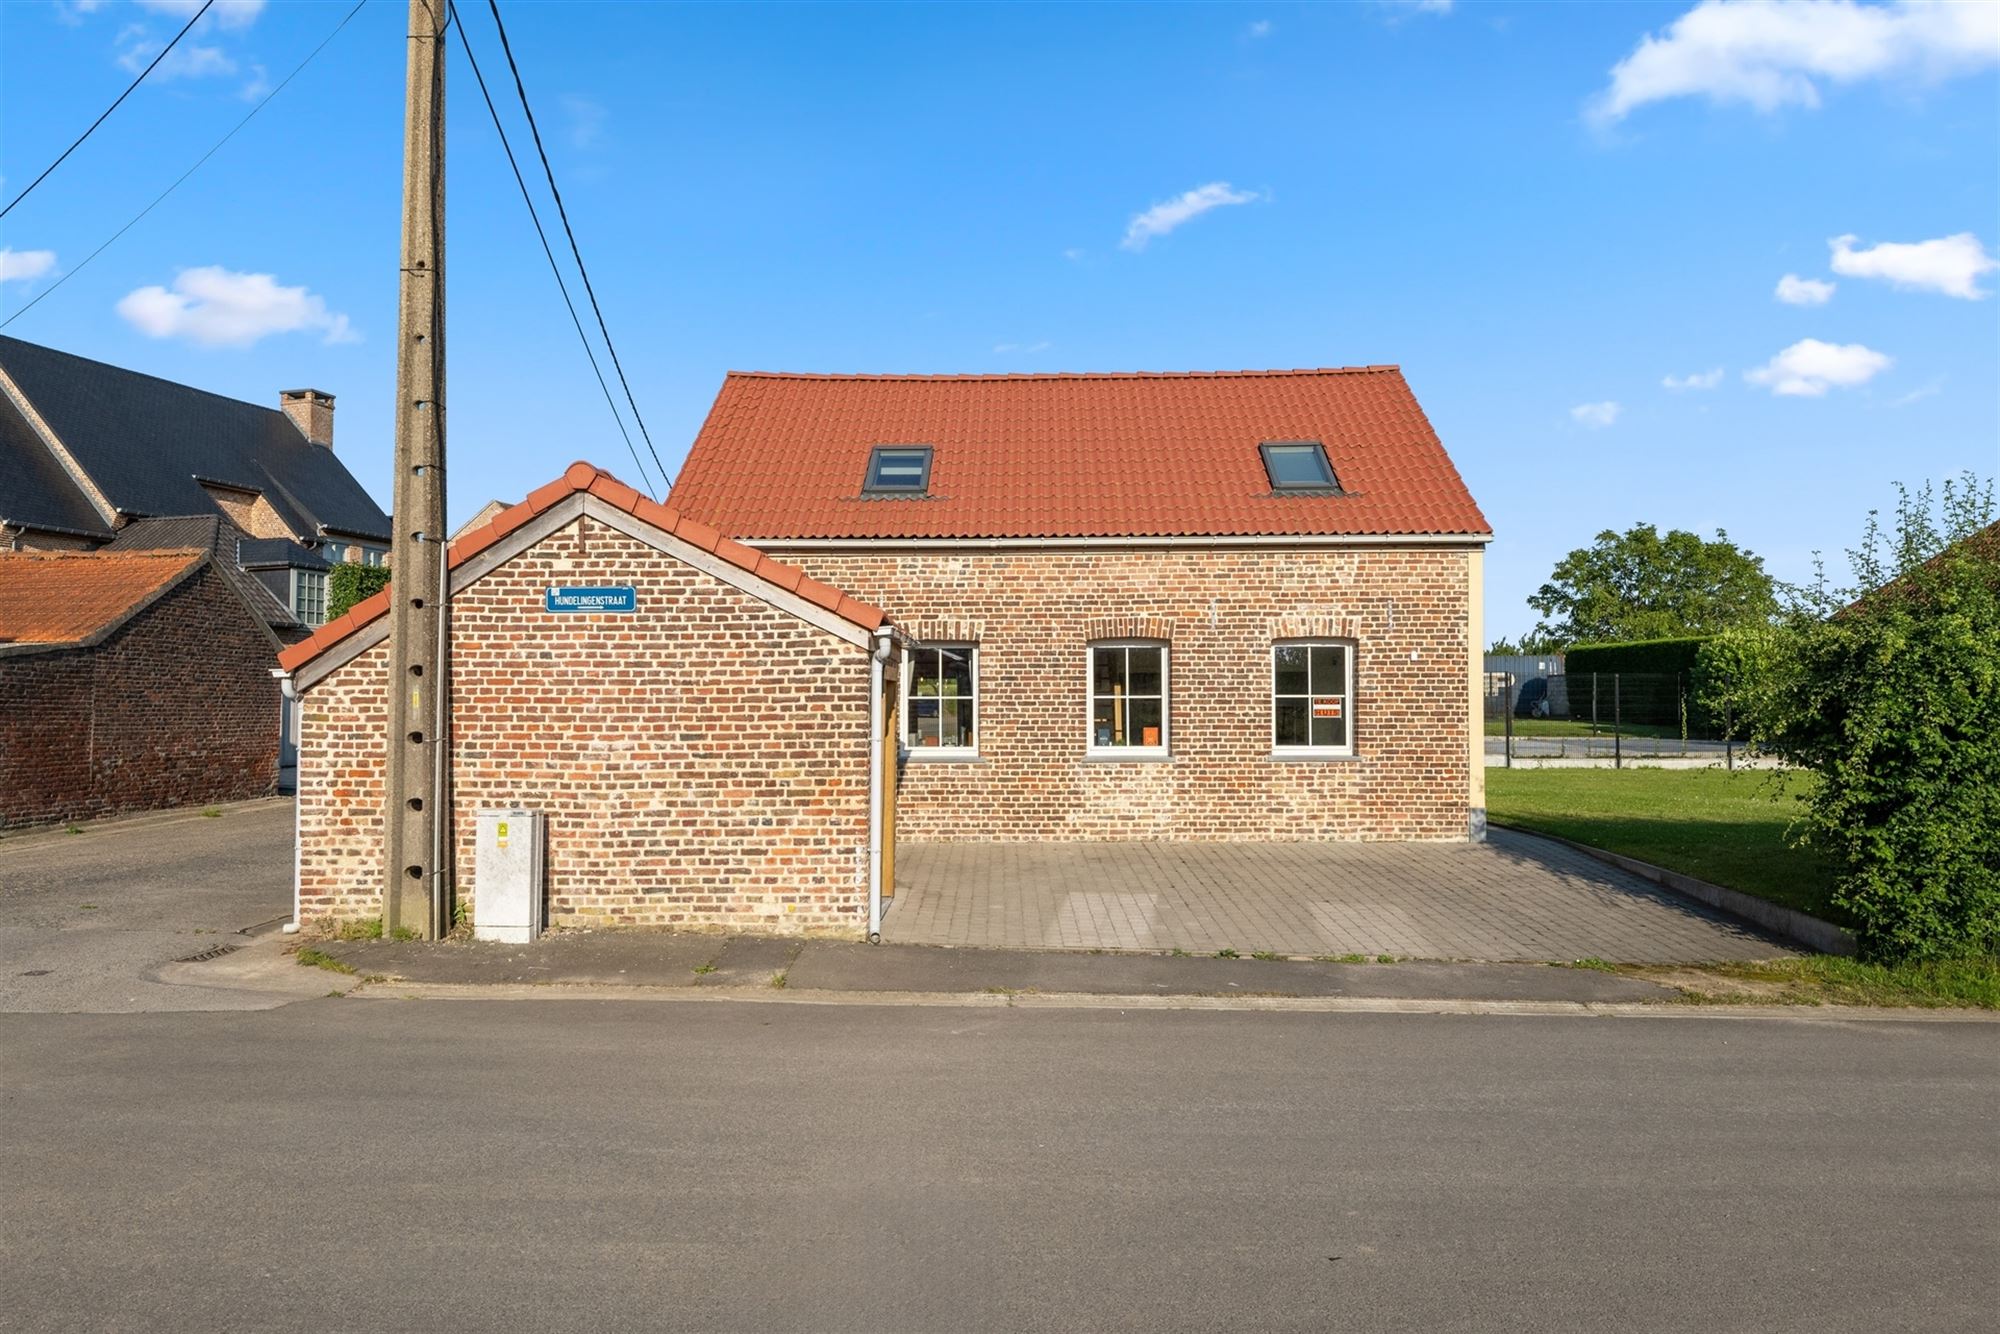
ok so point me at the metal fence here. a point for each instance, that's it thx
(1615, 716)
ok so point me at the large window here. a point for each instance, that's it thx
(1128, 700)
(941, 701)
(309, 596)
(1312, 694)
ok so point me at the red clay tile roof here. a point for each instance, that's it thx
(585, 477)
(68, 597)
(1133, 455)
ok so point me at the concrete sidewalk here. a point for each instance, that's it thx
(664, 960)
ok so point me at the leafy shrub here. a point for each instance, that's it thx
(1732, 676)
(351, 583)
(1891, 693)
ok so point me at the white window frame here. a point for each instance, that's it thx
(928, 753)
(1094, 751)
(300, 608)
(1351, 651)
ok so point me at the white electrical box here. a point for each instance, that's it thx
(507, 902)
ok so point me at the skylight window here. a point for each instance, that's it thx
(1299, 465)
(898, 470)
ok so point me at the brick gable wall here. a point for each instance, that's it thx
(703, 761)
(177, 708)
(1033, 614)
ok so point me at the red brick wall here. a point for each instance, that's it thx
(703, 761)
(1033, 613)
(177, 708)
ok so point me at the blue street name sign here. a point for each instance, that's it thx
(624, 599)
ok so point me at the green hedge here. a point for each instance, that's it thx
(1671, 656)
(350, 583)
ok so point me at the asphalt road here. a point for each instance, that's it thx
(84, 918)
(557, 1165)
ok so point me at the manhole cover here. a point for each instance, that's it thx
(212, 952)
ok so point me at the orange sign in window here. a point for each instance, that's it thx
(1326, 708)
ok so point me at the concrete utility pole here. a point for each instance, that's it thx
(416, 882)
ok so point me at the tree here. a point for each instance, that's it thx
(1890, 692)
(1640, 585)
(1526, 646)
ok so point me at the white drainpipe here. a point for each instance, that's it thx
(289, 692)
(883, 647)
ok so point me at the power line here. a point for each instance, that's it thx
(190, 171)
(107, 111)
(589, 291)
(556, 269)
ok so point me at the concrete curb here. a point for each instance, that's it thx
(1790, 923)
(1828, 1014)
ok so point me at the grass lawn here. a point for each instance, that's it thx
(1722, 827)
(1574, 727)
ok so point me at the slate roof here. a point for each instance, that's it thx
(1072, 455)
(50, 598)
(35, 492)
(584, 477)
(144, 441)
(208, 532)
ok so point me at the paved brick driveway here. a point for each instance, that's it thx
(1513, 897)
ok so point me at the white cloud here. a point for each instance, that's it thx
(1596, 416)
(1808, 368)
(1421, 6)
(187, 61)
(1261, 28)
(1775, 53)
(1024, 349)
(1164, 217)
(1700, 380)
(1949, 264)
(24, 266)
(217, 307)
(227, 13)
(1073, 254)
(1796, 291)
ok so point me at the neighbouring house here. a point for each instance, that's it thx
(87, 450)
(1239, 606)
(98, 457)
(131, 680)
(702, 749)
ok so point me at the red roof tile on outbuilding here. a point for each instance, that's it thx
(584, 477)
(67, 597)
(1072, 455)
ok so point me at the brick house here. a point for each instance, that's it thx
(93, 455)
(708, 755)
(1224, 607)
(1238, 606)
(130, 681)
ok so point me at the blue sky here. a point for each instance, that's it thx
(1542, 212)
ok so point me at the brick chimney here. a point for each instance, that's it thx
(311, 410)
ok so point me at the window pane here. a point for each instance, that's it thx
(1107, 722)
(955, 726)
(1107, 669)
(1289, 674)
(1290, 723)
(898, 469)
(923, 722)
(1144, 723)
(955, 672)
(1329, 669)
(1145, 670)
(1298, 465)
(1328, 731)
